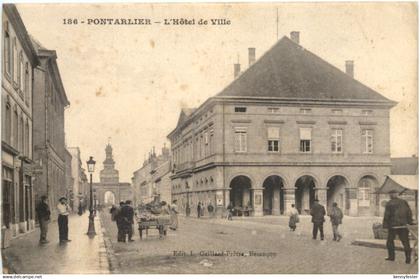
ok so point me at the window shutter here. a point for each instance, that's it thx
(305, 133)
(273, 133)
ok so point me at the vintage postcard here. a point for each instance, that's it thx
(209, 138)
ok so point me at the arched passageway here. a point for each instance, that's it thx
(240, 192)
(273, 198)
(305, 193)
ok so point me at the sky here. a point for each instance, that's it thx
(129, 82)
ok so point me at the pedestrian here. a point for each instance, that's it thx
(43, 212)
(63, 220)
(127, 213)
(210, 209)
(113, 212)
(396, 218)
(119, 222)
(318, 213)
(293, 218)
(230, 211)
(173, 210)
(80, 209)
(199, 209)
(202, 209)
(336, 217)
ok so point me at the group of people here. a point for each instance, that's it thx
(44, 215)
(201, 207)
(124, 218)
(396, 218)
(318, 218)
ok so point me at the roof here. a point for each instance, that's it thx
(289, 71)
(400, 183)
(183, 116)
(405, 166)
(51, 56)
(21, 32)
(37, 45)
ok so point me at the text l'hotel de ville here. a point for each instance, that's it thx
(147, 21)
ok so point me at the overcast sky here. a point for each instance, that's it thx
(130, 82)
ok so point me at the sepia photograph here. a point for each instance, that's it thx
(209, 138)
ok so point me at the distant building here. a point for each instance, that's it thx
(69, 179)
(289, 129)
(49, 103)
(110, 190)
(19, 60)
(152, 180)
(76, 169)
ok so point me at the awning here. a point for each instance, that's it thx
(400, 183)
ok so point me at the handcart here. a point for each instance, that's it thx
(161, 223)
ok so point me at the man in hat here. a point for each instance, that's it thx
(127, 213)
(63, 220)
(43, 212)
(119, 221)
(318, 213)
(397, 216)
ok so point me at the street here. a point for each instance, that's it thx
(256, 245)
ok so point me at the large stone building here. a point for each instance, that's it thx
(49, 103)
(152, 180)
(110, 190)
(289, 129)
(18, 62)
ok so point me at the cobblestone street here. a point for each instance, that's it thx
(294, 252)
(81, 255)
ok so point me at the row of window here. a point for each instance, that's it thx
(365, 112)
(16, 130)
(195, 148)
(305, 140)
(198, 183)
(15, 67)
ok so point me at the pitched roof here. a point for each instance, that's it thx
(183, 116)
(289, 71)
(405, 166)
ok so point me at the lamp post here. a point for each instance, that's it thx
(91, 168)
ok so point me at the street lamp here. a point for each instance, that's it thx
(91, 169)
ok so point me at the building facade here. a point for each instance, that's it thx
(152, 180)
(75, 190)
(19, 60)
(289, 129)
(69, 179)
(49, 103)
(110, 190)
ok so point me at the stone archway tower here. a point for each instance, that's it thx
(109, 174)
(109, 180)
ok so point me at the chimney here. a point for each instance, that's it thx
(350, 68)
(294, 36)
(251, 56)
(236, 70)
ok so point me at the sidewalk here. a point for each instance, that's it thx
(82, 255)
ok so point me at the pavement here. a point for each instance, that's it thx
(252, 245)
(82, 255)
(377, 243)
